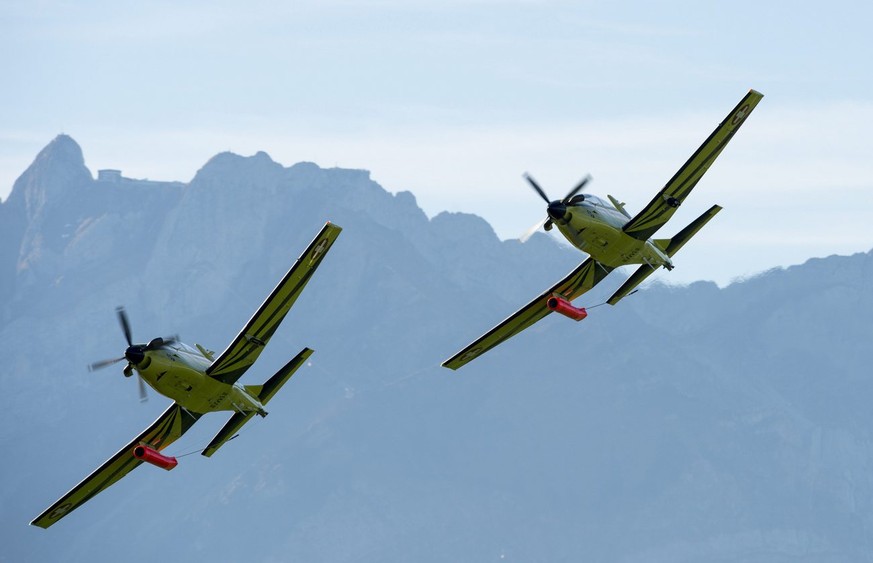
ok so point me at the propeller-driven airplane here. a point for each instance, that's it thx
(612, 238)
(199, 383)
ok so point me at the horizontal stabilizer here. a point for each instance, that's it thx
(679, 240)
(227, 432)
(264, 393)
(634, 280)
(670, 247)
(276, 382)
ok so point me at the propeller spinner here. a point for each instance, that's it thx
(134, 354)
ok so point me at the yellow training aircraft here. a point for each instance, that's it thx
(198, 383)
(612, 238)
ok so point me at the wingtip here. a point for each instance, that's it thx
(37, 523)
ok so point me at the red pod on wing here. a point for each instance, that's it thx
(153, 456)
(560, 305)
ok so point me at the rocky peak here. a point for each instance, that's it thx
(229, 169)
(56, 173)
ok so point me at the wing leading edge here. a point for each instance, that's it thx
(174, 422)
(252, 339)
(582, 279)
(661, 208)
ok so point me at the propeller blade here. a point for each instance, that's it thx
(143, 394)
(530, 232)
(105, 363)
(536, 187)
(125, 325)
(577, 189)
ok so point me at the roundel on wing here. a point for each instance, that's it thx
(60, 511)
(470, 354)
(740, 115)
(318, 250)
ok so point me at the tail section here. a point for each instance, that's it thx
(683, 236)
(227, 432)
(264, 393)
(634, 280)
(670, 247)
(272, 385)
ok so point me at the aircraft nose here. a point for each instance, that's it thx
(134, 354)
(557, 210)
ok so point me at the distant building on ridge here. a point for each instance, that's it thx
(109, 175)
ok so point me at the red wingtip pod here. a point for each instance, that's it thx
(561, 305)
(150, 455)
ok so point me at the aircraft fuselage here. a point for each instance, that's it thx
(595, 227)
(178, 371)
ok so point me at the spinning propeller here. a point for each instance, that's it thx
(134, 354)
(556, 209)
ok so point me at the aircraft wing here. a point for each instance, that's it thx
(662, 207)
(247, 346)
(164, 431)
(583, 278)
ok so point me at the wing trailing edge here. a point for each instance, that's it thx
(662, 207)
(168, 428)
(255, 335)
(588, 274)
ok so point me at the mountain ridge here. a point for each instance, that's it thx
(688, 423)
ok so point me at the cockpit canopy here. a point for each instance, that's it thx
(592, 199)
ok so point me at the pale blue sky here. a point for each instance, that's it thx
(455, 100)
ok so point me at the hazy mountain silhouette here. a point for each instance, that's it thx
(689, 423)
